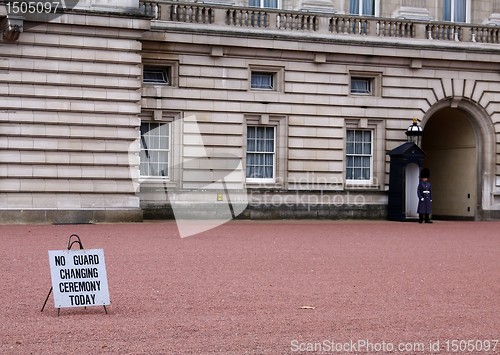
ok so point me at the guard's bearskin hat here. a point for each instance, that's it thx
(425, 173)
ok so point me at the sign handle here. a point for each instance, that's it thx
(78, 241)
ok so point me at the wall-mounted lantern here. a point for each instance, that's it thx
(414, 133)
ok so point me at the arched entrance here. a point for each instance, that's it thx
(459, 141)
(452, 145)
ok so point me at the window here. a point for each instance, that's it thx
(362, 86)
(363, 7)
(365, 83)
(271, 4)
(359, 155)
(265, 150)
(266, 77)
(156, 75)
(263, 81)
(455, 10)
(155, 149)
(261, 153)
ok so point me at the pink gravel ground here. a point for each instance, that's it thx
(241, 288)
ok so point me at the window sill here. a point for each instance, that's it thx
(154, 180)
(361, 185)
(264, 184)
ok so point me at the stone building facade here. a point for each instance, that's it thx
(69, 110)
(282, 109)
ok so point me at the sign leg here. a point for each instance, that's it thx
(46, 299)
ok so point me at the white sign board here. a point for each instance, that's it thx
(79, 278)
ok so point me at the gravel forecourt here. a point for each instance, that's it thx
(262, 287)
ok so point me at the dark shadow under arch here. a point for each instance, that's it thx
(459, 141)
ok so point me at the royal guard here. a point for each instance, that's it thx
(424, 192)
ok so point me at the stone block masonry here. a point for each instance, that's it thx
(68, 115)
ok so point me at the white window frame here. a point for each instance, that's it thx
(374, 77)
(360, 8)
(262, 180)
(261, 5)
(167, 149)
(280, 124)
(369, 81)
(370, 155)
(277, 73)
(272, 76)
(170, 69)
(164, 71)
(452, 11)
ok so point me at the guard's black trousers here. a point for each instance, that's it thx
(421, 217)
